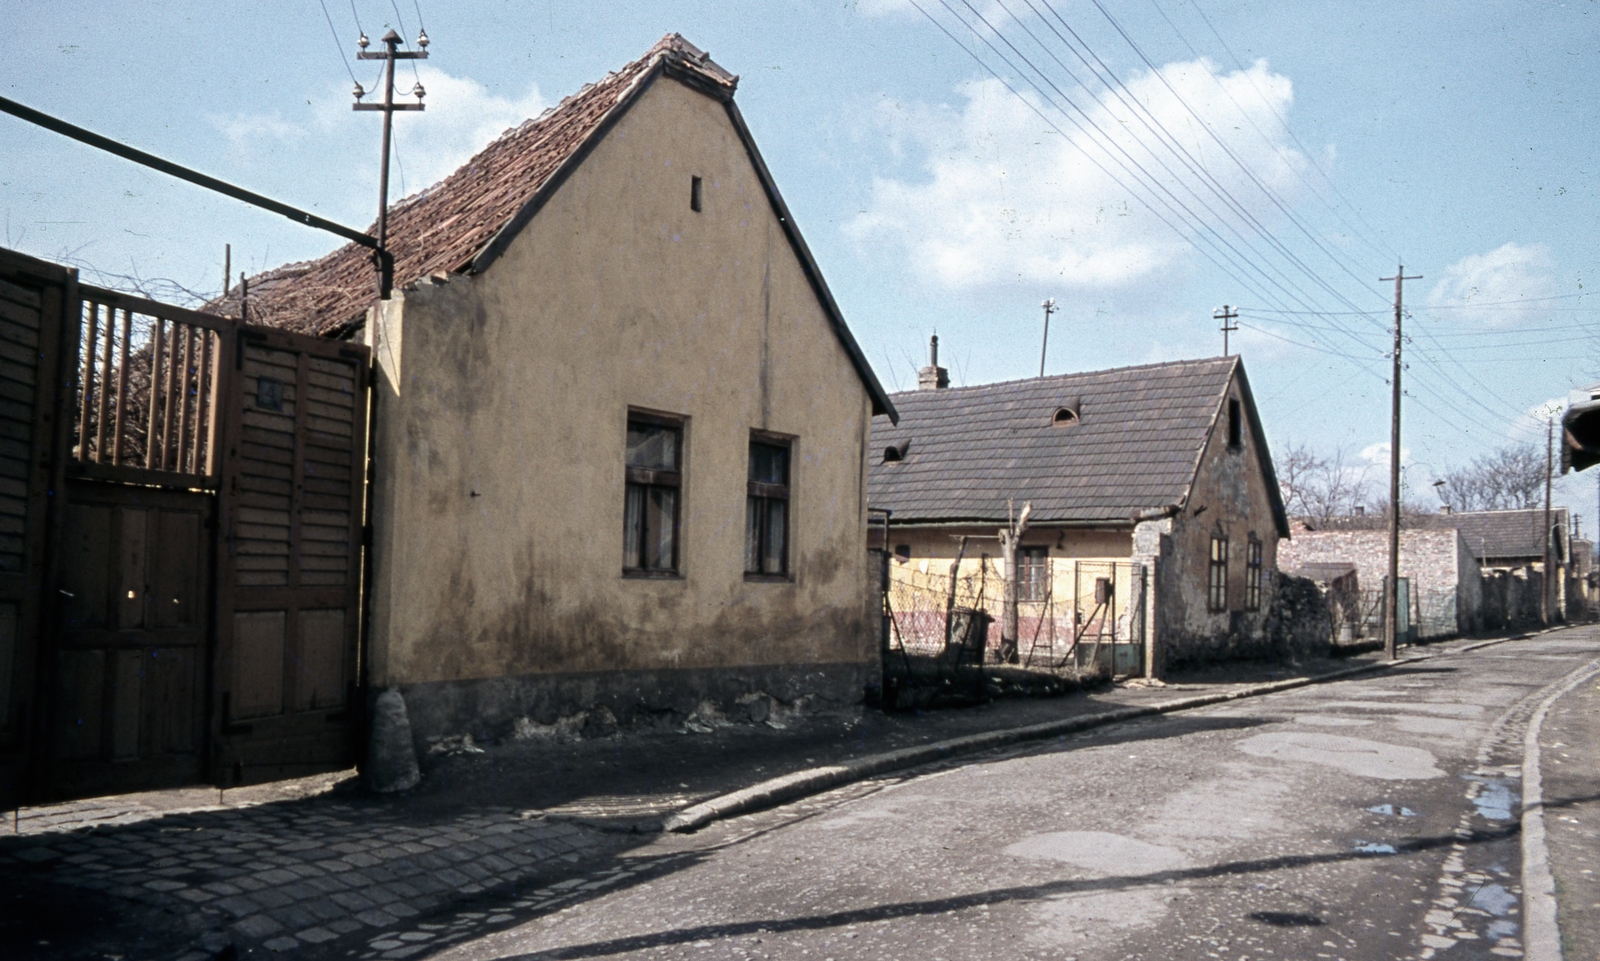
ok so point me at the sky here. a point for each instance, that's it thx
(951, 163)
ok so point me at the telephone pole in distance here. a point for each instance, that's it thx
(1391, 587)
(1225, 314)
(1049, 308)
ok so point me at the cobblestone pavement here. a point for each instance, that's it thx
(317, 869)
(327, 871)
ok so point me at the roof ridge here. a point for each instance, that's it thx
(1052, 377)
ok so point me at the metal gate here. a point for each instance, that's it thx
(204, 546)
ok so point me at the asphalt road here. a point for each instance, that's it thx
(1370, 818)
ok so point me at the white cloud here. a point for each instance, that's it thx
(1007, 198)
(1483, 288)
(1378, 454)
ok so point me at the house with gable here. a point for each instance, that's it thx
(1154, 479)
(620, 425)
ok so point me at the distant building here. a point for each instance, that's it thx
(1156, 477)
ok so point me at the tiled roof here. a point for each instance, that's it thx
(445, 227)
(1498, 534)
(1135, 447)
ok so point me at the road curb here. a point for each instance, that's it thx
(815, 780)
(1541, 937)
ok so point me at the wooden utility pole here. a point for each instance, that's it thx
(1391, 587)
(391, 53)
(1011, 550)
(1546, 613)
(1049, 308)
(1225, 314)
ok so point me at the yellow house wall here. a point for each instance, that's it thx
(502, 411)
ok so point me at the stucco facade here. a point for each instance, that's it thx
(1229, 499)
(503, 406)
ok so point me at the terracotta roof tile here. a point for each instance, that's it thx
(446, 226)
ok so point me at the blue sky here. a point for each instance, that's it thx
(1277, 157)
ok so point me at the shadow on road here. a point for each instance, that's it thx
(935, 906)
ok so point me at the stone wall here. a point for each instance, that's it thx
(1442, 573)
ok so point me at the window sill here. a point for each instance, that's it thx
(768, 578)
(642, 575)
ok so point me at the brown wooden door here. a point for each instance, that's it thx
(289, 581)
(34, 337)
(129, 655)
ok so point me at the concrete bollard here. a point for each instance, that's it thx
(391, 755)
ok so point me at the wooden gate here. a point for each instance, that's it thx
(202, 616)
(290, 580)
(35, 302)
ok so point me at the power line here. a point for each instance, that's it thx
(336, 43)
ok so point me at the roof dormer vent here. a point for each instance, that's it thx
(895, 453)
(1065, 415)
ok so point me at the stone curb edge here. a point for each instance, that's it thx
(815, 780)
(1541, 936)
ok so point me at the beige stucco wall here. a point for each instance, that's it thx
(1229, 499)
(502, 410)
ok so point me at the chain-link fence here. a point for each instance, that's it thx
(944, 622)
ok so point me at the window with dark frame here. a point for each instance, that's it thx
(1033, 574)
(766, 524)
(1235, 425)
(695, 202)
(1252, 575)
(654, 479)
(1217, 593)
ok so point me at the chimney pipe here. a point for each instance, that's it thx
(933, 377)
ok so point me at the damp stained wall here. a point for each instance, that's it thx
(503, 401)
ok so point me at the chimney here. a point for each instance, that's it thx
(933, 377)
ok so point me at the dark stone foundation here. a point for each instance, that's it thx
(489, 708)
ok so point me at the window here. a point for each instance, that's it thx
(1252, 575)
(1217, 593)
(1235, 427)
(1033, 574)
(650, 514)
(695, 194)
(766, 515)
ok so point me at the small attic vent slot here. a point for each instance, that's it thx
(896, 452)
(1064, 417)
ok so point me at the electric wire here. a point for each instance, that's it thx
(1171, 201)
(1228, 150)
(336, 43)
(1283, 122)
(1144, 201)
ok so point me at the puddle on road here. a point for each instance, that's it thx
(1374, 847)
(1389, 810)
(1503, 929)
(1495, 800)
(1496, 900)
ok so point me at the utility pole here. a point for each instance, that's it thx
(1391, 588)
(391, 41)
(1549, 568)
(1225, 314)
(1049, 308)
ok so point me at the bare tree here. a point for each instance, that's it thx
(1508, 478)
(1330, 486)
(1295, 465)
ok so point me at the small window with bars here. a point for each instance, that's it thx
(1252, 575)
(1033, 574)
(651, 502)
(766, 518)
(1217, 584)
